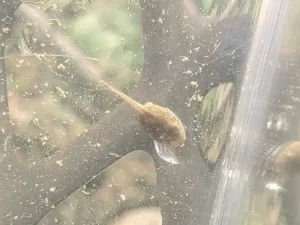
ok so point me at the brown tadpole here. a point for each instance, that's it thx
(283, 161)
(287, 160)
(160, 122)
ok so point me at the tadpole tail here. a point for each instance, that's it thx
(132, 103)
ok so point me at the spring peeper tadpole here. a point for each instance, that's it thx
(160, 122)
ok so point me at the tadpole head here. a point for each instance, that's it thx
(163, 125)
(174, 136)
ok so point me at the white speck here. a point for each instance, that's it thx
(114, 154)
(61, 67)
(197, 49)
(45, 138)
(85, 192)
(194, 83)
(52, 189)
(5, 29)
(160, 20)
(123, 197)
(59, 162)
(199, 98)
(98, 145)
(184, 58)
(107, 111)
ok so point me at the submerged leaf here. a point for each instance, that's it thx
(213, 121)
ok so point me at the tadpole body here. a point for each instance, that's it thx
(160, 122)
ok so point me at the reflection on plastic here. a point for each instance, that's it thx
(273, 186)
(165, 153)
